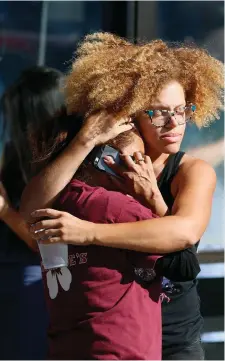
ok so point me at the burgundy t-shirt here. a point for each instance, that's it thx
(97, 310)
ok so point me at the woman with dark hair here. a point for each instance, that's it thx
(34, 97)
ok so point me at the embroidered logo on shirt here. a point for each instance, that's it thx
(145, 274)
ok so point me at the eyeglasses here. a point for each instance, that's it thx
(162, 117)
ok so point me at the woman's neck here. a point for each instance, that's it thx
(158, 160)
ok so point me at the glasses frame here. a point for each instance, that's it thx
(171, 113)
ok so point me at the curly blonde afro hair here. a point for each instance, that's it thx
(123, 78)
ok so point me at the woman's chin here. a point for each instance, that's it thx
(171, 148)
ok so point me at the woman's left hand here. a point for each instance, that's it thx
(138, 179)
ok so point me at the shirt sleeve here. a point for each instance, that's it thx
(179, 266)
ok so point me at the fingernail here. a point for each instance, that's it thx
(106, 158)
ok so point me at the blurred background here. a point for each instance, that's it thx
(46, 33)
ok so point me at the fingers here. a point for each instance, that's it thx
(138, 157)
(124, 120)
(45, 224)
(125, 124)
(137, 161)
(148, 161)
(118, 169)
(46, 234)
(141, 158)
(114, 119)
(47, 212)
(51, 240)
(125, 127)
(128, 161)
(109, 160)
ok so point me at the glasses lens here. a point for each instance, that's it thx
(159, 122)
(160, 118)
(156, 116)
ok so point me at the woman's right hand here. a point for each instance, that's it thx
(101, 127)
(61, 227)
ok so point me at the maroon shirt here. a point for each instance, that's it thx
(97, 310)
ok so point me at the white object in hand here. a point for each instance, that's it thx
(54, 255)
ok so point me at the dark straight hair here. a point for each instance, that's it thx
(36, 122)
(30, 106)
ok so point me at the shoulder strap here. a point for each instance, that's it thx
(170, 168)
(167, 175)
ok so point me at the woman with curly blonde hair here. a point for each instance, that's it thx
(160, 87)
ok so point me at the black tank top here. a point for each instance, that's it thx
(181, 318)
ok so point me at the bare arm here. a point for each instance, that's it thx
(190, 216)
(196, 182)
(43, 189)
(14, 220)
(17, 224)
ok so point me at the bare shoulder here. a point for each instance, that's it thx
(194, 170)
(192, 165)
